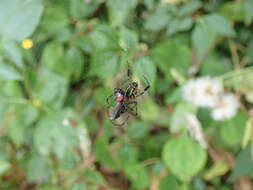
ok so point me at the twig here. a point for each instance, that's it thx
(155, 181)
(150, 161)
(234, 54)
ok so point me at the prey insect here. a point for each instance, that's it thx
(123, 100)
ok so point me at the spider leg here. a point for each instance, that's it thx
(140, 94)
(129, 73)
(132, 109)
(108, 98)
(119, 124)
(146, 88)
(147, 82)
(128, 81)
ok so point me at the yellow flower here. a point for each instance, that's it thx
(36, 102)
(172, 1)
(27, 43)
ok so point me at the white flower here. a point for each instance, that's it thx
(203, 91)
(226, 107)
(171, 1)
(65, 122)
(190, 91)
(195, 129)
(85, 143)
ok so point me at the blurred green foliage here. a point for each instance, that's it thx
(60, 60)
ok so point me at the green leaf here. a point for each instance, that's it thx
(189, 7)
(119, 11)
(232, 130)
(241, 80)
(12, 51)
(128, 39)
(199, 184)
(224, 187)
(158, 168)
(19, 18)
(48, 81)
(203, 38)
(108, 129)
(249, 50)
(220, 25)
(80, 9)
(4, 166)
(94, 177)
(204, 34)
(104, 38)
(138, 175)
(4, 108)
(52, 53)
(104, 64)
(50, 187)
(69, 161)
(148, 110)
(169, 182)
(173, 54)
(153, 145)
(78, 186)
(158, 20)
(103, 153)
(215, 65)
(243, 165)
(50, 135)
(54, 20)
(149, 4)
(218, 169)
(178, 25)
(16, 131)
(100, 95)
(145, 68)
(53, 56)
(74, 61)
(92, 123)
(138, 130)
(7, 72)
(128, 155)
(248, 133)
(233, 10)
(37, 169)
(11, 89)
(185, 186)
(184, 157)
(173, 96)
(248, 6)
(66, 64)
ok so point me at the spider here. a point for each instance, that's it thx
(123, 100)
